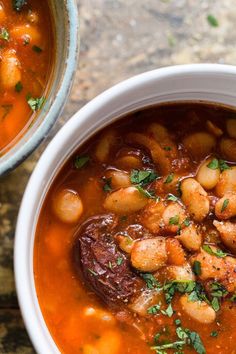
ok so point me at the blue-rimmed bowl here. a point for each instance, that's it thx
(66, 36)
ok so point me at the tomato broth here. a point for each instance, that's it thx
(136, 240)
(26, 60)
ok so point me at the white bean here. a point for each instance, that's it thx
(199, 144)
(125, 201)
(231, 127)
(104, 145)
(119, 179)
(199, 310)
(225, 207)
(67, 206)
(125, 243)
(227, 182)
(10, 70)
(146, 299)
(206, 176)
(180, 273)
(228, 148)
(149, 255)
(227, 232)
(190, 238)
(195, 198)
(213, 129)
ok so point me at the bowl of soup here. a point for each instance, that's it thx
(38, 55)
(126, 235)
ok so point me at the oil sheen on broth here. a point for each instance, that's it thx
(136, 240)
(26, 55)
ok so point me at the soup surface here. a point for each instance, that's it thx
(136, 240)
(26, 45)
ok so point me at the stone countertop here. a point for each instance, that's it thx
(119, 38)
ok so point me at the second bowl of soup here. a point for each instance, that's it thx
(38, 47)
(129, 233)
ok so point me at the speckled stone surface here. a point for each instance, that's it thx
(119, 38)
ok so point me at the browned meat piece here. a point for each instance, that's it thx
(104, 267)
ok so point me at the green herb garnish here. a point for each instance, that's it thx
(225, 204)
(151, 281)
(218, 253)
(37, 49)
(107, 184)
(197, 268)
(169, 178)
(92, 272)
(172, 197)
(36, 103)
(212, 20)
(153, 310)
(119, 261)
(18, 4)
(143, 177)
(214, 334)
(4, 34)
(223, 165)
(214, 164)
(81, 161)
(174, 220)
(18, 87)
(145, 193)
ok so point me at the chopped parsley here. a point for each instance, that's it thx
(169, 311)
(174, 220)
(6, 110)
(18, 4)
(218, 253)
(172, 197)
(36, 103)
(143, 177)
(224, 205)
(214, 334)
(81, 161)
(151, 281)
(167, 148)
(214, 164)
(223, 165)
(215, 304)
(119, 261)
(4, 34)
(92, 272)
(212, 20)
(145, 193)
(186, 222)
(169, 178)
(37, 49)
(197, 268)
(107, 184)
(18, 87)
(153, 310)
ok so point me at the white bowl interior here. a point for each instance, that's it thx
(200, 82)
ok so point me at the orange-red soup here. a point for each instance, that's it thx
(26, 54)
(136, 241)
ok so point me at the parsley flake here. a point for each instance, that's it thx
(197, 268)
(218, 253)
(212, 20)
(36, 103)
(224, 205)
(4, 34)
(18, 87)
(81, 161)
(169, 178)
(214, 164)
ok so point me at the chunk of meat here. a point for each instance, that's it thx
(175, 252)
(227, 232)
(219, 269)
(149, 255)
(103, 266)
(195, 198)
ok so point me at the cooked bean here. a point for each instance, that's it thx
(199, 144)
(104, 145)
(126, 243)
(125, 201)
(173, 216)
(225, 207)
(10, 71)
(231, 127)
(180, 273)
(227, 182)
(213, 129)
(151, 217)
(162, 136)
(129, 162)
(146, 299)
(26, 32)
(199, 310)
(149, 255)
(195, 198)
(228, 148)
(227, 231)
(159, 155)
(100, 315)
(119, 179)
(206, 176)
(67, 206)
(190, 238)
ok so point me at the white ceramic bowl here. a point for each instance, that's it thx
(200, 82)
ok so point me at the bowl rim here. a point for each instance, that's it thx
(61, 94)
(23, 258)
